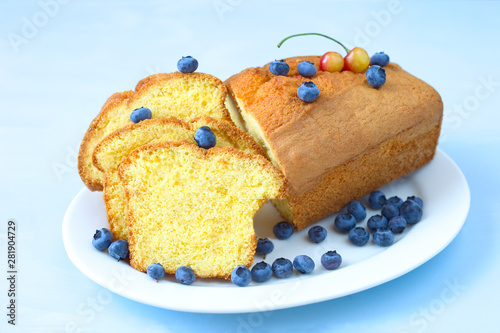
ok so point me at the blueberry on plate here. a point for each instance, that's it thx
(383, 237)
(118, 249)
(357, 209)
(264, 246)
(156, 271)
(308, 91)
(411, 211)
(395, 200)
(283, 230)
(306, 68)
(304, 264)
(417, 200)
(397, 224)
(375, 75)
(185, 275)
(187, 64)
(282, 268)
(102, 239)
(389, 211)
(261, 272)
(140, 114)
(344, 222)
(279, 67)
(359, 236)
(205, 138)
(331, 260)
(317, 233)
(241, 276)
(376, 199)
(376, 222)
(380, 58)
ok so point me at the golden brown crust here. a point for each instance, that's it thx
(202, 154)
(95, 132)
(380, 165)
(128, 128)
(233, 132)
(311, 142)
(111, 103)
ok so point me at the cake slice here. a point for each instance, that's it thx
(350, 141)
(188, 206)
(177, 95)
(115, 148)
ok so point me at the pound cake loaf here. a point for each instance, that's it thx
(188, 206)
(116, 146)
(350, 141)
(179, 95)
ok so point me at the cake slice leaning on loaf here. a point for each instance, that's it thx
(116, 147)
(350, 141)
(188, 206)
(178, 95)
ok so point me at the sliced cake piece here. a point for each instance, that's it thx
(188, 206)
(116, 147)
(350, 141)
(176, 95)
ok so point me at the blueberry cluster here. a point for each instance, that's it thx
(103, 240)
(282, 267)
(308, 91)
(375, 75)
(395, 215)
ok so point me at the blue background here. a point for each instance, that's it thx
(55, 77)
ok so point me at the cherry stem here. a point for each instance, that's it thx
(314, 33)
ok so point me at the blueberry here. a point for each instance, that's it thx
(304, 264)
(308, 92)
(279, 67)
(375, 75)
(417, 200)
(395, 200)
(397, 224)
(102, 239)
(241, 276)
(359, 236)
(185, 275)
(118, 249)
(331, 260)
(383, 237)
(411, 211)
(306, 68)
(344, 222)
(376, 222)
(317, 233)
(389, 211)
(283, 230)
(357, 209)
(140, 114)
(264, 246)
(377, 199)
(205, 138)
(262, 272)
(380, 58)
(155, 271)
(187, 64)
(282, 268)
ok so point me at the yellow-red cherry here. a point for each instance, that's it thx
(357, 60)
(331, 62)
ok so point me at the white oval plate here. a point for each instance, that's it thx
(446, 197)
